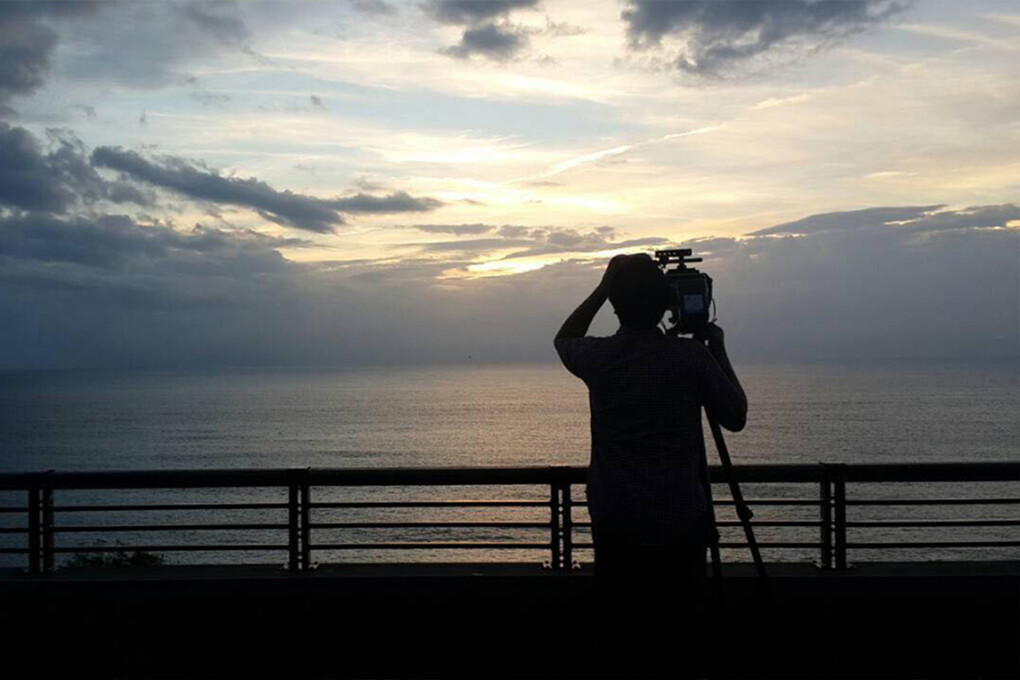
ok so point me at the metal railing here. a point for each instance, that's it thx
(832, 544)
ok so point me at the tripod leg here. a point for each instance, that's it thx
(716, 561)
(743, 512)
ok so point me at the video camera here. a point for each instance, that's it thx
(691, 290)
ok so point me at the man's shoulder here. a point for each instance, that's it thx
(583, 344)
(583, 340)
(687, 344)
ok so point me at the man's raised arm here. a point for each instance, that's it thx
(580, 319)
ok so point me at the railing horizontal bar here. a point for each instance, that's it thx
(933, 544)
(13, 551)
(749, 501)
(771, 523)
(168, 527)
(769, 501)
(921, 523)
(169, 506)
(445, 476)
(148, 479)
(814, 545)
(431, 504)
(13, 510)
(430, 525)
(783, 545)
(736, 523)
(167, 548)
(13, 530)
(926, 472)
(937, 501)
(430, 546)
(139, 479)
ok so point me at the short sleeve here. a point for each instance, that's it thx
(578, 355)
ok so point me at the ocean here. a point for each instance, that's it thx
(480, 415)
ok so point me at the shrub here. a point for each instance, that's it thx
(121, 558)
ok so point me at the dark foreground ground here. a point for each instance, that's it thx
(878, 620)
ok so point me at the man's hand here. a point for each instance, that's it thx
(711, 333)
(611, 270)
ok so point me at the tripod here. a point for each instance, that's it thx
(691, 296)
(743, 511)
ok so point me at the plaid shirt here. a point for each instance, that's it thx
(646, 390)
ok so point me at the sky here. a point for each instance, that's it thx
(384, 182)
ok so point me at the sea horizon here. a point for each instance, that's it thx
(480, 414)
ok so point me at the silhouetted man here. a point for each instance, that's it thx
(650, 517)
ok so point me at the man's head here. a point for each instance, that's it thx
(638, 291)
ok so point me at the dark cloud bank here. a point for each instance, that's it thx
(922, 282)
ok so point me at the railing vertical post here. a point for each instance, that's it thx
(825, 506)
(293, 524)
(554, 525)
(34, 543)
(47, 529)
(839, 500)
(306, 526)
(568, 528)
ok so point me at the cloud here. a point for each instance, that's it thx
(473, 245)
(206, 98)
(917, 219)
(112, 242)
(457, 229)
(571, 241)
(106, 291)
(498, 42)
(472, 12)
(212, 19)
(142, 44)
(943, 284)
(54, 180)
(714, 37)
(563, 29)
(528, 241)
(483, 35)
(376, 7)
(282, 207)
(852, 219)
(151, 44)
(185, 178)
(89, 111)
(396, 202)
(24, 59)
(978, 217)
(27, 45)
(515, 231)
